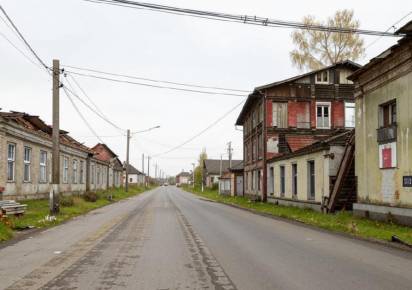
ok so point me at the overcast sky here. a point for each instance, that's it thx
(166, 47)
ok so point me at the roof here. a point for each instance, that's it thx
(297, 142)
(237, 166)
(37, 126)
(183, 174)
(132, 169)
(257, 91)
(96, 149)
(212, 166)
(336, 139)
(406, 29)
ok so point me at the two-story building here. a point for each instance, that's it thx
(183, 178)
(287, 115)
(384, 133)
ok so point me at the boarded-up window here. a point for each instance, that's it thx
(280, 115)
(303, 116)
(387, 155)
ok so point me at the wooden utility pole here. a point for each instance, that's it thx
(143, 163)
(148, 169)
(127, 161)
(54, 193)
(229, 151)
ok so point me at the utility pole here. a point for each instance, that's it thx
(220, 173)
(143, 163)
(148, 168)
(229, 151)
(127, 160)
(54, 193)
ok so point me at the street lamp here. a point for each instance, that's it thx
(127, 151)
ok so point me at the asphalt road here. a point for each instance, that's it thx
(170, 239)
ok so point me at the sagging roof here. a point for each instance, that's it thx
(296, 142)
(132, 169)
(258, 90)
(336, 139)
(37, 126)
(212, 166)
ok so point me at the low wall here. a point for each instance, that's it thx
(398, 215)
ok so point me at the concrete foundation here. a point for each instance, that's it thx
(297, 203)
(398, 215)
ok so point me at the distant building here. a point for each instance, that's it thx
(134, 175)
(231, 181)
(384, 133)
(183, 178)
(285, 116)
(212, 170)
(115, 173)
(26, 160)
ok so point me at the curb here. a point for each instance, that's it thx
(387, 244)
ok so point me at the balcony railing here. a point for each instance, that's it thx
(387, 134)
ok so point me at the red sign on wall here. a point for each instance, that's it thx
(387, 157)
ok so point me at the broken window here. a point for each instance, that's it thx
(294, 179)
(311, 179)
(322, 77)
(279, 115)
(387, 114)
(282, 180)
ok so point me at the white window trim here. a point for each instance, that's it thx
(11, 160)
(322, 82)
(27, 163)
(329, 104)
(75, 171)
(43, 165)
(65, 170)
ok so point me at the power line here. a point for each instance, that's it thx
(201, 132)
(92, 109)
(154, 86)
(156, 81)
(253, 20)
(24, 40)
(389, 28)
(81, 115)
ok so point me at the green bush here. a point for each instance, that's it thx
(66, 200)
(90, 196)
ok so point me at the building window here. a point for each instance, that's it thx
(322, 77)
(311, 179)
(258, 180)
(271, 181)
(11, 159)
(27, 164)
(349, 115)
(43, 166)
(260, 146)
(280, 115)
(294, 179)
(74, 177)
(323, 115)
(387, 114)
(92, 174)
(65, 170)
(282, 180)
(98, 174)
(81, 172)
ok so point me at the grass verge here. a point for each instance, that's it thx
(38, 209)
(343, 222)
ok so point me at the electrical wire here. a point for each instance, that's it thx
(156, 81)
(201, 132)
(154, 86)
(92, 109)
(389, 28)
(254, 20)
(81, 115)
(24, 40)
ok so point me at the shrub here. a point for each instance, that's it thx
(66, 201)
(90, 196)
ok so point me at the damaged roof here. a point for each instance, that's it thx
(37, 126)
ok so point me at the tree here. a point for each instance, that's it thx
(317, 49)
(199, 168)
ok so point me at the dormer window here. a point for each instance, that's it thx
(322, 77)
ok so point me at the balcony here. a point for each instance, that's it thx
(387, 134)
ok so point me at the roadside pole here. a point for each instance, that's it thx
(148, 170)
(193, 175)
(220, 173)
(127, 161)
(54, 192)
(229, 149)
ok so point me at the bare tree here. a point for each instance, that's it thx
(317, 49)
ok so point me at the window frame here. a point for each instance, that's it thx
(322, 74)
(65, 169)
(311, 181)
(43, 166)
(27, 152)
(282, 180)
(354, 114)
(74, 171)
(81, 172)
(294, 169)
(12, 161)
(392, 118)
(323, 105)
